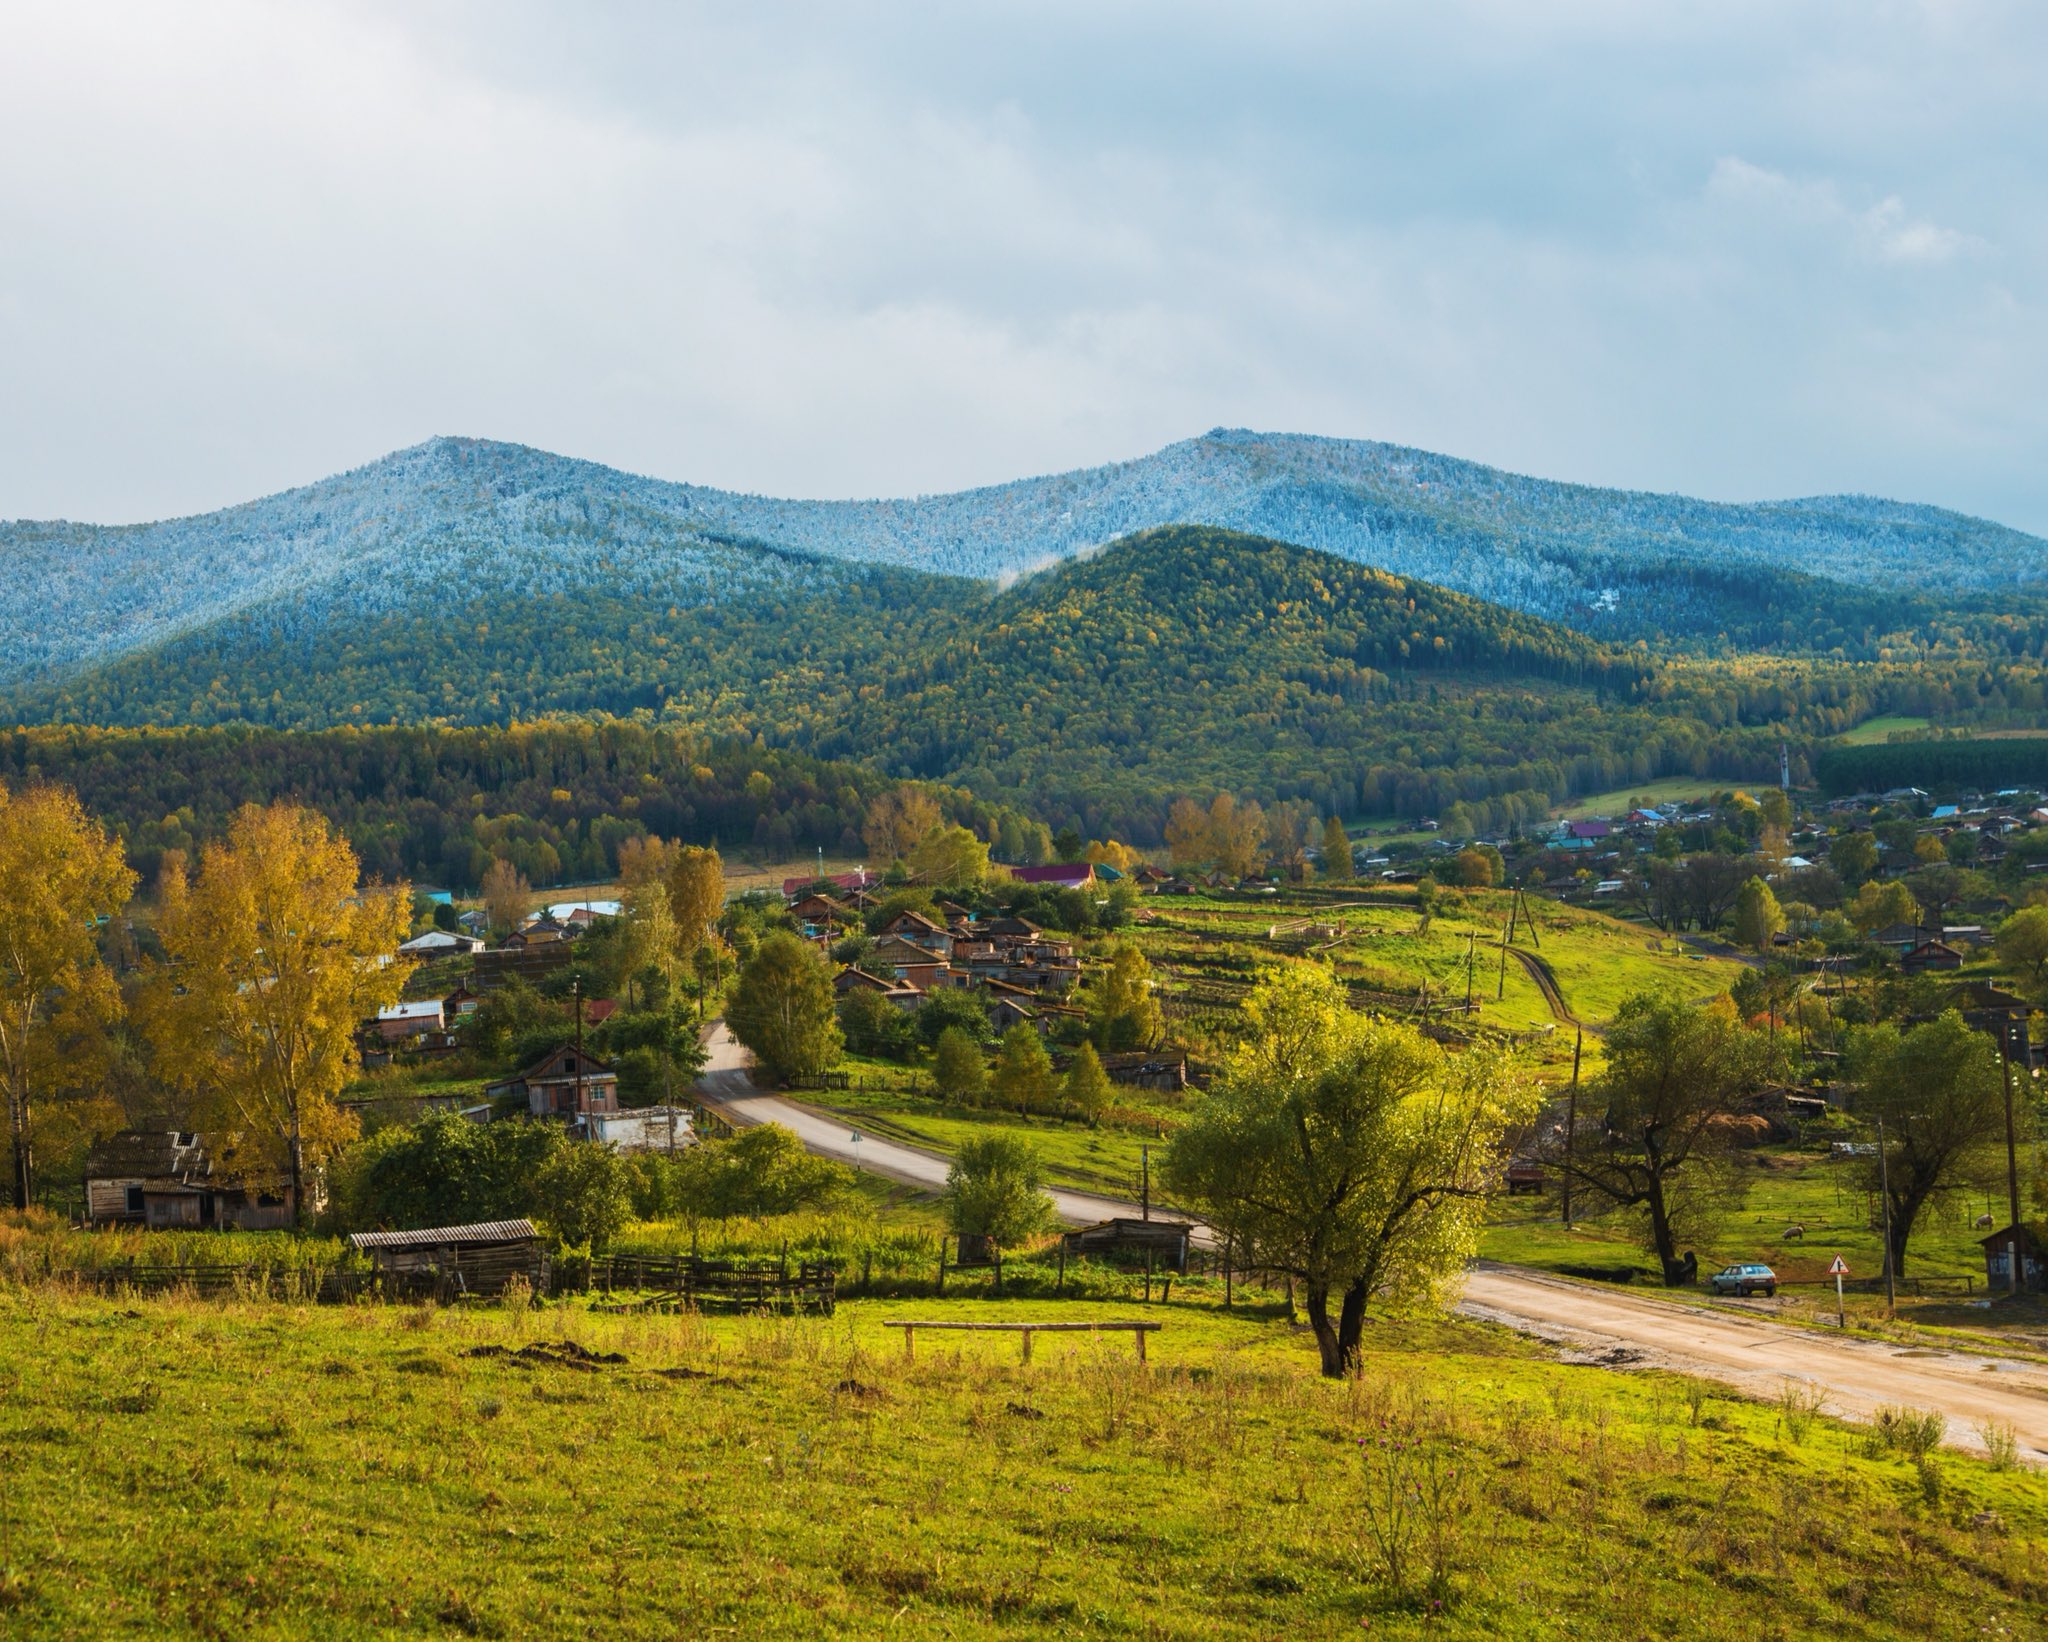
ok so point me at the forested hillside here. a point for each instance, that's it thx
(1184, 661)
(455, 522)
(436, 805)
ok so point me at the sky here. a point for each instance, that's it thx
(1735, 250)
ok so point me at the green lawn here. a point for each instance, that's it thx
(1664, 790)
(184, 1469)
(1788, 1187)
(1880, 729)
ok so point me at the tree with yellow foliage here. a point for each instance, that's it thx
(59, 875)
(898, 821)
(696, 894)
(275, 955)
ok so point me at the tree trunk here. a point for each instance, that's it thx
(1316, 1300)
(1660, 1232)
(24, 1155)
(1351, 1327)
(298, 1171)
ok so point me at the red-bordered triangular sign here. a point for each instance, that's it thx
(1840, 1268)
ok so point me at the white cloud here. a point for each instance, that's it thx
(823, 251)
(1882, 232)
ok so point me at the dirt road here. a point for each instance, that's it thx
(1749, 1352)
(1756, 1355)
(727, 1087)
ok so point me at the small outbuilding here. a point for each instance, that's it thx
(1122, 1238)
(477, 1259)
(1998, 1256)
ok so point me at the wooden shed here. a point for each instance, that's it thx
(1166, 1241)
(479, 1259)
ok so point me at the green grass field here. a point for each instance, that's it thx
(1880, 729)
(177, 1468)
(1665, 789)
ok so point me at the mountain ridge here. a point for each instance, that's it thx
(452, 509)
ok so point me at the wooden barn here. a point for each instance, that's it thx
(479, 1259)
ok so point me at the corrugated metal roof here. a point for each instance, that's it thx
(433, 1237)
(411, 1011)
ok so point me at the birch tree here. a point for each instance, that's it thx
(274, 957)
(60, 873)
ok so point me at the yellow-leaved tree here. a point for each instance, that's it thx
(275, 955)
(60, 874)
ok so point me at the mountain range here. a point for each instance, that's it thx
(474, 523)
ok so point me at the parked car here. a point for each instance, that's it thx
(1744, 1280)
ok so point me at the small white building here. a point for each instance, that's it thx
(644, 1128)
(439, 943)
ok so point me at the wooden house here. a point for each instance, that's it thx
(859, 980)
(915, 929)
(175, 1178)
(566, 1083)
(1930, 955)
(405, 1021)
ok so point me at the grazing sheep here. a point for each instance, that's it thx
(1983, 1222)
(1794, 1233)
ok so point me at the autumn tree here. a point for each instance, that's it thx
(1111, 852)
(1086, 1091)
(60, 874)
(1187, 833)
(1023, 1079)
(275, 954)
(1123, 1013)
(1337, 862)
(1663, 1149)
(1879, 906)
(782, 1008)
(696, 894)
(897, 821)
(1351, 1153)
(948, 858)
(506, 896)
(644, 859)
(1757, 916)
(1237, 833)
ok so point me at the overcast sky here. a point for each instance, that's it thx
(1736, 250)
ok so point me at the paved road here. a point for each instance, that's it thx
(727, 1086)
(1756, 1355)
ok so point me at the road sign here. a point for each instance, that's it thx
(1840, 1268)
(1838, 1271)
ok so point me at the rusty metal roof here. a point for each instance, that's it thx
(435, 1237)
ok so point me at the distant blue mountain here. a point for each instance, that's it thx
(483, 517)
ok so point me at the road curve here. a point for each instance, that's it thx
(726, 1086)
(1756, 1355)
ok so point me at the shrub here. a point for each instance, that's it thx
(993, 1190)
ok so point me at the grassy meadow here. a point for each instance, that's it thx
(186, 1468)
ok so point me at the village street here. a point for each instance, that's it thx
(727, 1086)
(1751, 1353)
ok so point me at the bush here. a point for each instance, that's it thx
(584, 1195)
(1912, 1432)
(875, 1026)
(952, 1009)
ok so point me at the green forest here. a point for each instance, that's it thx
(1182, 661)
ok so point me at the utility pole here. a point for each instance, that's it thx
(1571, 1124)
(1471, 951)
(576, 991)
(2012, 1151)
(1145, 1182)
(1884, 1186)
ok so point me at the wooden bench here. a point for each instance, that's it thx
(1137, 1331)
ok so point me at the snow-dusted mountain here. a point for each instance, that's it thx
(477, 516)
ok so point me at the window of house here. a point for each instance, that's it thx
(135, 1200)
